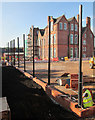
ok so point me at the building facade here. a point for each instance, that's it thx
(64, 38)
(30, 42)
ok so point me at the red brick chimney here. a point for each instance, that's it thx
(78, 18)
(88, 22)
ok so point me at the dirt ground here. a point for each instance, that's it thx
(27, 100)
(58, 68)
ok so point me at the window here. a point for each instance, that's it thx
(71, 38)
(44, 41)
(72, 27)
(54, 52)
(39, 52)
(85, 35)
(39, 42)
(84, 55)
(51, 53)
(71, 53)
(84, 48)
(94, 41)
(37, 32)
(76, 39)
(91, 35)
(54, 38)
(52, 26)
(76, 52)
(51, 38)
(60, 26)
(76, 27)
(84, 42)
(65, 26)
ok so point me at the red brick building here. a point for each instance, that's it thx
(64, 38)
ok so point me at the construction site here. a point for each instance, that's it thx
(48, 89)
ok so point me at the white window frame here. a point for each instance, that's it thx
(85, 35)
(52, 26)
(54, 38)
(76, 39)
(71, 38)
(65, 26)
(76, 27)
(54, 52)
(84, 48)
(51, 53)
(72, 27)
(71, 52)
(39, 42)
(44, 41)
(60, 25)
(76, 52)
(91, 35)
(94, 41)
(84, 42)
(84, 55)
(51, 39)
(39, 52)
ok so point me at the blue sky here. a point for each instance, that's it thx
(17, 17)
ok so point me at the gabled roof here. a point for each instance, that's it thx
(70, 19)
(42, 32)
(83, 29)
(58, 19)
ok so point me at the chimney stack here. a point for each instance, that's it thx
(88, 22)
(78, 18)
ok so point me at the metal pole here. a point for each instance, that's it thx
(18, 49)
(11, 51)
(8, 52)
(24, 50)
(14, 50)
(33, 55)
(80, 58)
(49, 53)
(68, 39)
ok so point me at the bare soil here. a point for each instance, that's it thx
(27, 100)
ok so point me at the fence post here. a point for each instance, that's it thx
(8, 52)
(24, 50)
(80, 58)
(11, 51)
(18, 49)
(14, 50)
(49, 53)
(33, 55)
